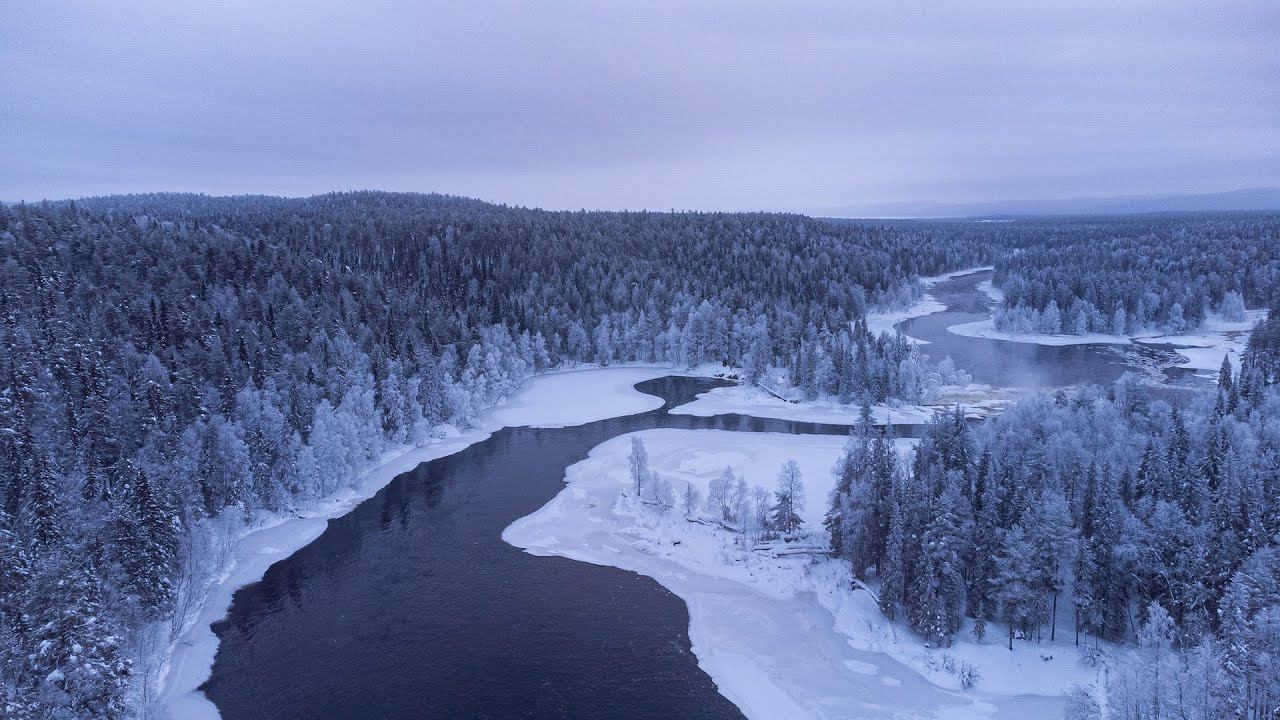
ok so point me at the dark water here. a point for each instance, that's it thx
(412, 606)
(1023, 365)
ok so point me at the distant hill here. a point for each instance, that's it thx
(1250, 199)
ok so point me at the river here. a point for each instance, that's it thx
(1002, 363)
(412, 606)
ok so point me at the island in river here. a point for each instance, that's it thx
(410, 604)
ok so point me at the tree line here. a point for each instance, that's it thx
(1123, 276)
(1110, 514)
(179, 367)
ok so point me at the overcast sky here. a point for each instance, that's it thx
(850, 107)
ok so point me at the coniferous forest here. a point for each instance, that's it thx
(177, 368)
(1127, 275)
(764, 361)
(1140, 520)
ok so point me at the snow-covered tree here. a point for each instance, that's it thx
(720, 496)
(690, 500)
(639, 463)
(788, 499)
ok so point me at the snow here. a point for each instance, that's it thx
(991, 291)
(575, 397)
(1202, 349)
(977, 400)
(986, 329)
(782, 636)
(932, 280)
(555, 399)
(885, 321)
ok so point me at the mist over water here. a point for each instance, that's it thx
(1002, 363)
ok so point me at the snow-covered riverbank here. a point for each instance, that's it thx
(886, 321)
(986, 329)
(596, 394)
(783, 636)
(1202, 349)
(977, 400)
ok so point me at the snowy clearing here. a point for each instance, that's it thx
(932, 280)
(597, 393)
(782, 635)
(886, 322)
(977, 400)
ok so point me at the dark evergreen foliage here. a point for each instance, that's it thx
(177, 365)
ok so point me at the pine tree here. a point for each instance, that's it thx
(1014, 584)
(15, 572)
(841, 516)
(789, 499)
(76, 645)
(1052, 542)
(147, 535)
(43, 511)
(1228, 391)
(940, 586)
(909, 506)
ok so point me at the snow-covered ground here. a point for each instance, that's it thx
(882, 322)
(783, 636)
(996, 294)
(575, 397)
(595, 394)
(932, 280)
(1203, 349)
(977, 400)
(986, 329)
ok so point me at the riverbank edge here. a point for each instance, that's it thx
(187, 662)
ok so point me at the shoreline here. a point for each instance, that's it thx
(926, 304)
(1202, 349)
(782, 635)
(188, 660)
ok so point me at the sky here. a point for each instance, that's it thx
(843, 108)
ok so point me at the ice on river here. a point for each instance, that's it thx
(782, 635)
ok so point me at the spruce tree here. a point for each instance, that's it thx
(43, 510)
(147, 535)
(788, 499)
